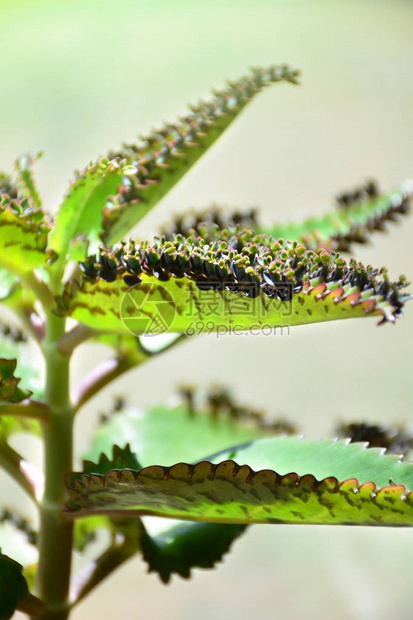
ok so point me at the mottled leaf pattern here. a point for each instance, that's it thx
(349, 484)
(240, 281)
(23, 232)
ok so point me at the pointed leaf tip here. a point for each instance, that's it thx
(191, 285)
(163, 157)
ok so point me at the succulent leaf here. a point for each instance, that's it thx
(13, 586)
(238, 281)
(23, 232)
(9, 390)
(11, 346)
(165, 156)
(186, 546)
(123, 458)
(193, 430)
(294, 481)
(199, 223)
(195, 426)
(80, 212)
(25, 181)
(361, 212)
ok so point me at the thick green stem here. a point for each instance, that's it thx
(55, 545)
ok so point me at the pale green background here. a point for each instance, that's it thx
(76, 79)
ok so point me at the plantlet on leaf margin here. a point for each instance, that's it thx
(215, 466)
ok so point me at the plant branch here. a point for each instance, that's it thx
(31, 321)
(102, 376)
(121, 550)
(32, 606)
(39, 288)
(14, 464)
(35, 324)
(76, 336)
(27, 409)
(109, 370)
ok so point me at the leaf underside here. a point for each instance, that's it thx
(350, 485)
(187, 546)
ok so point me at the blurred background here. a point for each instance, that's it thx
(79, 78)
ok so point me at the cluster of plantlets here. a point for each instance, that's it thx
(213, 464)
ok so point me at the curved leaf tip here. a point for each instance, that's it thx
(163, 157)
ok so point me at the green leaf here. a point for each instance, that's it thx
(23, 233)
(14, 345)
(80, 212)
(122, 458)
(168, 434)
(295, 481)
(324, 459)
(14, 357)
(186, 546)
(240, 281)
(9, 390)
(203, 222)
(165, 156)
(26, 184)
(193, 429)
(13, 586)
(361, 212)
